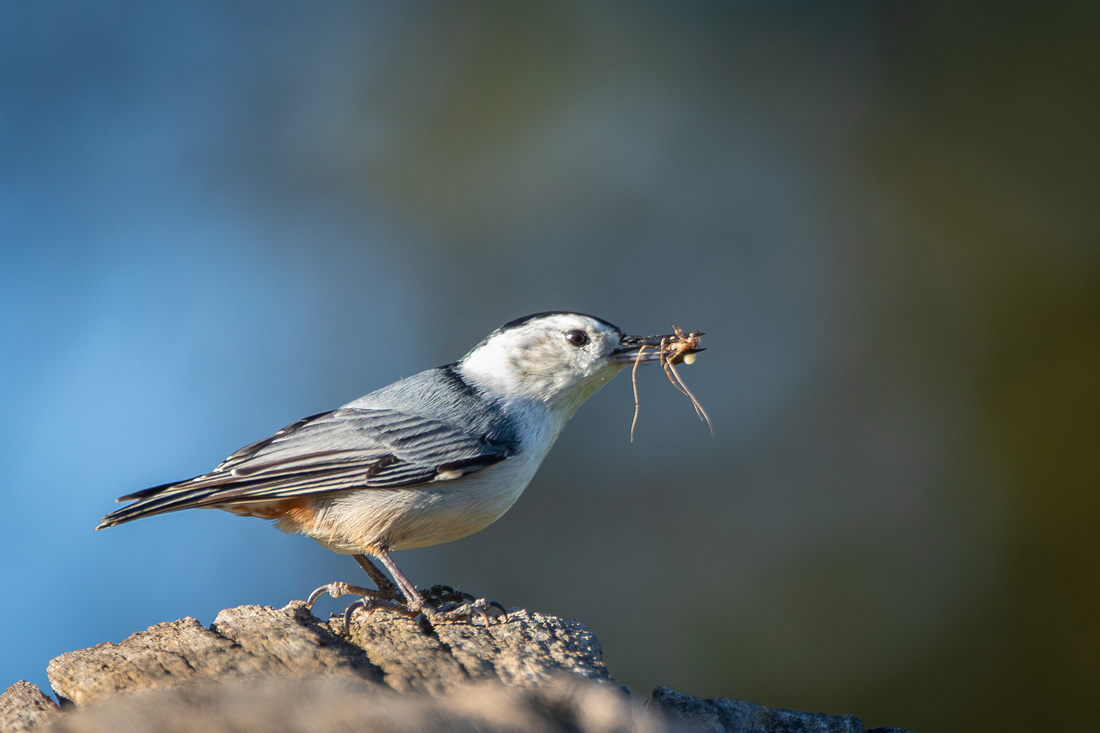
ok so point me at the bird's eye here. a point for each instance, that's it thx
(576, 337)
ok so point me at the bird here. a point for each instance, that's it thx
(429, 459)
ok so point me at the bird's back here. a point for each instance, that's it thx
(396, 436)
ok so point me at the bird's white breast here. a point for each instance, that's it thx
(407, 517)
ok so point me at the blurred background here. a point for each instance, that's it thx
(215, 219)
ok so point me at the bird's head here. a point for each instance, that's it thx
(557, 358)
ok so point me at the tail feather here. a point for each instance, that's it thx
(220, 489)
(155, 500)
(152, 491)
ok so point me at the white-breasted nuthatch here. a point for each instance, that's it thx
(429, 459)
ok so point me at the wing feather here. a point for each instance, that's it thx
(349, 448)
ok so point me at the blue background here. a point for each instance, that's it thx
(215, 219)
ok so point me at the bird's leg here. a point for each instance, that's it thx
(439, 603)
(437, 596)
(387, 588)
(412, 595)
(387, 594)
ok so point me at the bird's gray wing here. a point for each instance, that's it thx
(389, 447)
(344, 449)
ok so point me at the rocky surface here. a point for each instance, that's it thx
(267, 669)
(722, 714)
(24, 707)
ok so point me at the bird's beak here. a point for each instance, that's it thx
(650, 348)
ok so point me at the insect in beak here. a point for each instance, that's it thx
(668, 351)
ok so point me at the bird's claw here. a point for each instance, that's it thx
(438, 603)
(441, 603)
(462, 606)
(374, 604)
(439, 596)
(446, 604)
(340, 588)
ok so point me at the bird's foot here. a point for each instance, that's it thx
(388, 589)
(340, 588)
(369, 600)
(439, 596)
(444, 603)
(438, 603)
(373, 604)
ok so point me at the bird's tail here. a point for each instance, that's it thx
(171, 497)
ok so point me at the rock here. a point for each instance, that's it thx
(525, 651)
(723, 715)
(284, 669)
(242, 642)
(322, 706)
(268, 669)
(392, 651)
(24, 707)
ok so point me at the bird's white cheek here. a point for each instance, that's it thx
(577, 397)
